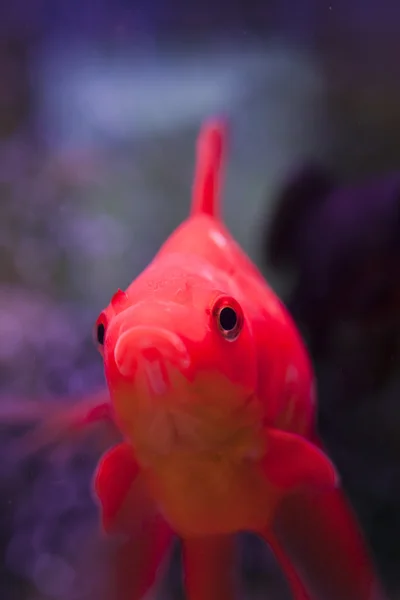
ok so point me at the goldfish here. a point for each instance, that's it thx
(213, 392)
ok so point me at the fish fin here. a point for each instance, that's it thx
(292, 462)
(209, 567)
(127, 510)
(55, 423)
(322, 538)
(299, 592)
(116, 473)
(206, 187)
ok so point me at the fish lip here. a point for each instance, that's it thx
(171, 349)
(157, 376)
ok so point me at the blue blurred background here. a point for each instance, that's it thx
(100, 105)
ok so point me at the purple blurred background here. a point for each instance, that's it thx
(100, 104)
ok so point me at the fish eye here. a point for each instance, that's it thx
(229, 318)
(100, 330)
(100, 334)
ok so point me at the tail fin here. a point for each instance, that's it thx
(206, 187)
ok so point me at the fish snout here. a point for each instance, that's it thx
(150, 351)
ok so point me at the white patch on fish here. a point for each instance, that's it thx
(155, 377)
(218, 238)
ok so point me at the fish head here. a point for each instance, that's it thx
(180, 363)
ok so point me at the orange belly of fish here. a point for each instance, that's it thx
(204, 496)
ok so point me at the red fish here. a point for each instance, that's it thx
(213, 392)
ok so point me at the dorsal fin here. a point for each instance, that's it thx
(206, 186)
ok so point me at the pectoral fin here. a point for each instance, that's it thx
(116, 474)
(292, 463)
(56, 423)
(127, 509)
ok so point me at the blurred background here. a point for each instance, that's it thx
(100, 105)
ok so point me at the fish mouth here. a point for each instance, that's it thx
(147, 355)
(157, 377)
(167, 408)
(153, 364)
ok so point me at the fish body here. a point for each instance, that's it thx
(213, 391)
(202, 446)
